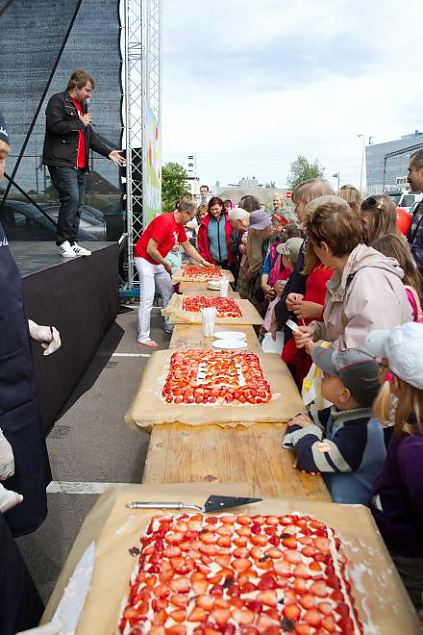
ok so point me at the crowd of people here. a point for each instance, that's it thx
(342, 286)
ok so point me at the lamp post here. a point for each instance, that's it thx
(363, 145)
(337, 175)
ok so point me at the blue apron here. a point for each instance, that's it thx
(19, 414)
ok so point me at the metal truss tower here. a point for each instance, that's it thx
(141, 47)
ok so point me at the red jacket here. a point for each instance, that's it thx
(203, 240)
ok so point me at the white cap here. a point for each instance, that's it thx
(402, 346)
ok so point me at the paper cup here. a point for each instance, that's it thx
(223, 287)
(208, 317)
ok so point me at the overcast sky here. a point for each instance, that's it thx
(250, 84)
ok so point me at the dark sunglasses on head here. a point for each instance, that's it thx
(371, 203)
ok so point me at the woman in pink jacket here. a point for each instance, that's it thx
(366, 291)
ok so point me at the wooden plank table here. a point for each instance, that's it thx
(254, 455)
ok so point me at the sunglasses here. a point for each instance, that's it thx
(372, 203)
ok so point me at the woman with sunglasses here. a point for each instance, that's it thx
(379, 217)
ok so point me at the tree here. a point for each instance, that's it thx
(174, 178)
(301, 170)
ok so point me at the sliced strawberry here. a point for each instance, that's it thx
(171, 552)
(223, 561)
(308, 601)
(224, 541)
(282, 567)
(319, 588)
(266, 625)
(267, 581)
(225, 530)
(272, 520)
(176, 630)
(294, 557)
(241, 564)
(181, 565)
(243, 520)
(274, 553)
(256, 553)
(222, 603)
(221, 616)
(259, 540)
(209, 550)
(308, 551)
(180, 585)
(206, 602)
(300, 585)
(304, 629)
(292, 612)
(268, 597)
(322, 544)
(195, 525)
(244, 530)
(157, 630)
(179, 615)
(243, 616)
(289, 542)
(313, 617)
(259, 520)
(241, 552)
(301, 571)
(228, 519)
(161, 591)
(197, 614)
(208, 537)
(254, 605)
(181, 526)
(315, 567)
(240, 541)
(179, 599)
(328, 623)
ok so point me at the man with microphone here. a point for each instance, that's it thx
(68, 138)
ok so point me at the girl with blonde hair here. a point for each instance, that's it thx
(352, 196)
(397, 498)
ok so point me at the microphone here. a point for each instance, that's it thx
(87, 106)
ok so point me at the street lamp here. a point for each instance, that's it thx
(363, 145)
(337, 175)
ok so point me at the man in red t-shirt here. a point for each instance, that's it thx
(153, 270)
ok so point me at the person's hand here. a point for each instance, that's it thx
(304, 335)
(273, 325)
(7, 460)
(116, 157)
(300, 420)
(47, 336)
(270, 295)
(85, 118)
(167, 266)
(242, 248)
(307, 310)
(293, 299)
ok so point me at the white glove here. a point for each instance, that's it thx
(7, 460)
(47, 629)
(48, 336)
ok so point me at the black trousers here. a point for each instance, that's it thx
(20, 605)
(70, 183)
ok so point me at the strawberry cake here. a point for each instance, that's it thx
(217, 378)
(247, 575)
(199, 273)
(226, 307)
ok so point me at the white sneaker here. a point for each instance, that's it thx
(66, 250)
(80, 251)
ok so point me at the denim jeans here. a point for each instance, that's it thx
(151, 277)
(70, 183)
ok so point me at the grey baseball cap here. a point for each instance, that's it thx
(402, 346)
(358, 371)
(290, 248)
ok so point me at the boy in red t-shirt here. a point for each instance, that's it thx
(153, 268)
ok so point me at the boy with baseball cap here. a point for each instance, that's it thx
(346, 444)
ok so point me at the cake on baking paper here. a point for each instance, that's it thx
(208, 377)
(226, 307)
(209, 273)
(227, 574)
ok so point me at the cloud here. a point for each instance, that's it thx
(248, 86)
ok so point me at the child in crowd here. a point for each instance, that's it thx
(174, 257)
(395, 246)
(346, 445)
(397, 496)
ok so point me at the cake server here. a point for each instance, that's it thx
(212, 504)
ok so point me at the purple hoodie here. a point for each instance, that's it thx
(396, 501)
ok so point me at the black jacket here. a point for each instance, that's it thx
(62, 134)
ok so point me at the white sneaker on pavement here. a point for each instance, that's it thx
(66, 250)
(80, 251)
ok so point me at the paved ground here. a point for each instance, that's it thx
(90, 445)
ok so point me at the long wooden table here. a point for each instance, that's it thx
(181, 453)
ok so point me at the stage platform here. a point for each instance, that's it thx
(80, 297)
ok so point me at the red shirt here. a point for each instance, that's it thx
(81, 159)
(165, 231)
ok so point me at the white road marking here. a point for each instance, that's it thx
(131, 354)
(80, 487)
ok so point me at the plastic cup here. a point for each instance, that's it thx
(223, 287)
(208, 317)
